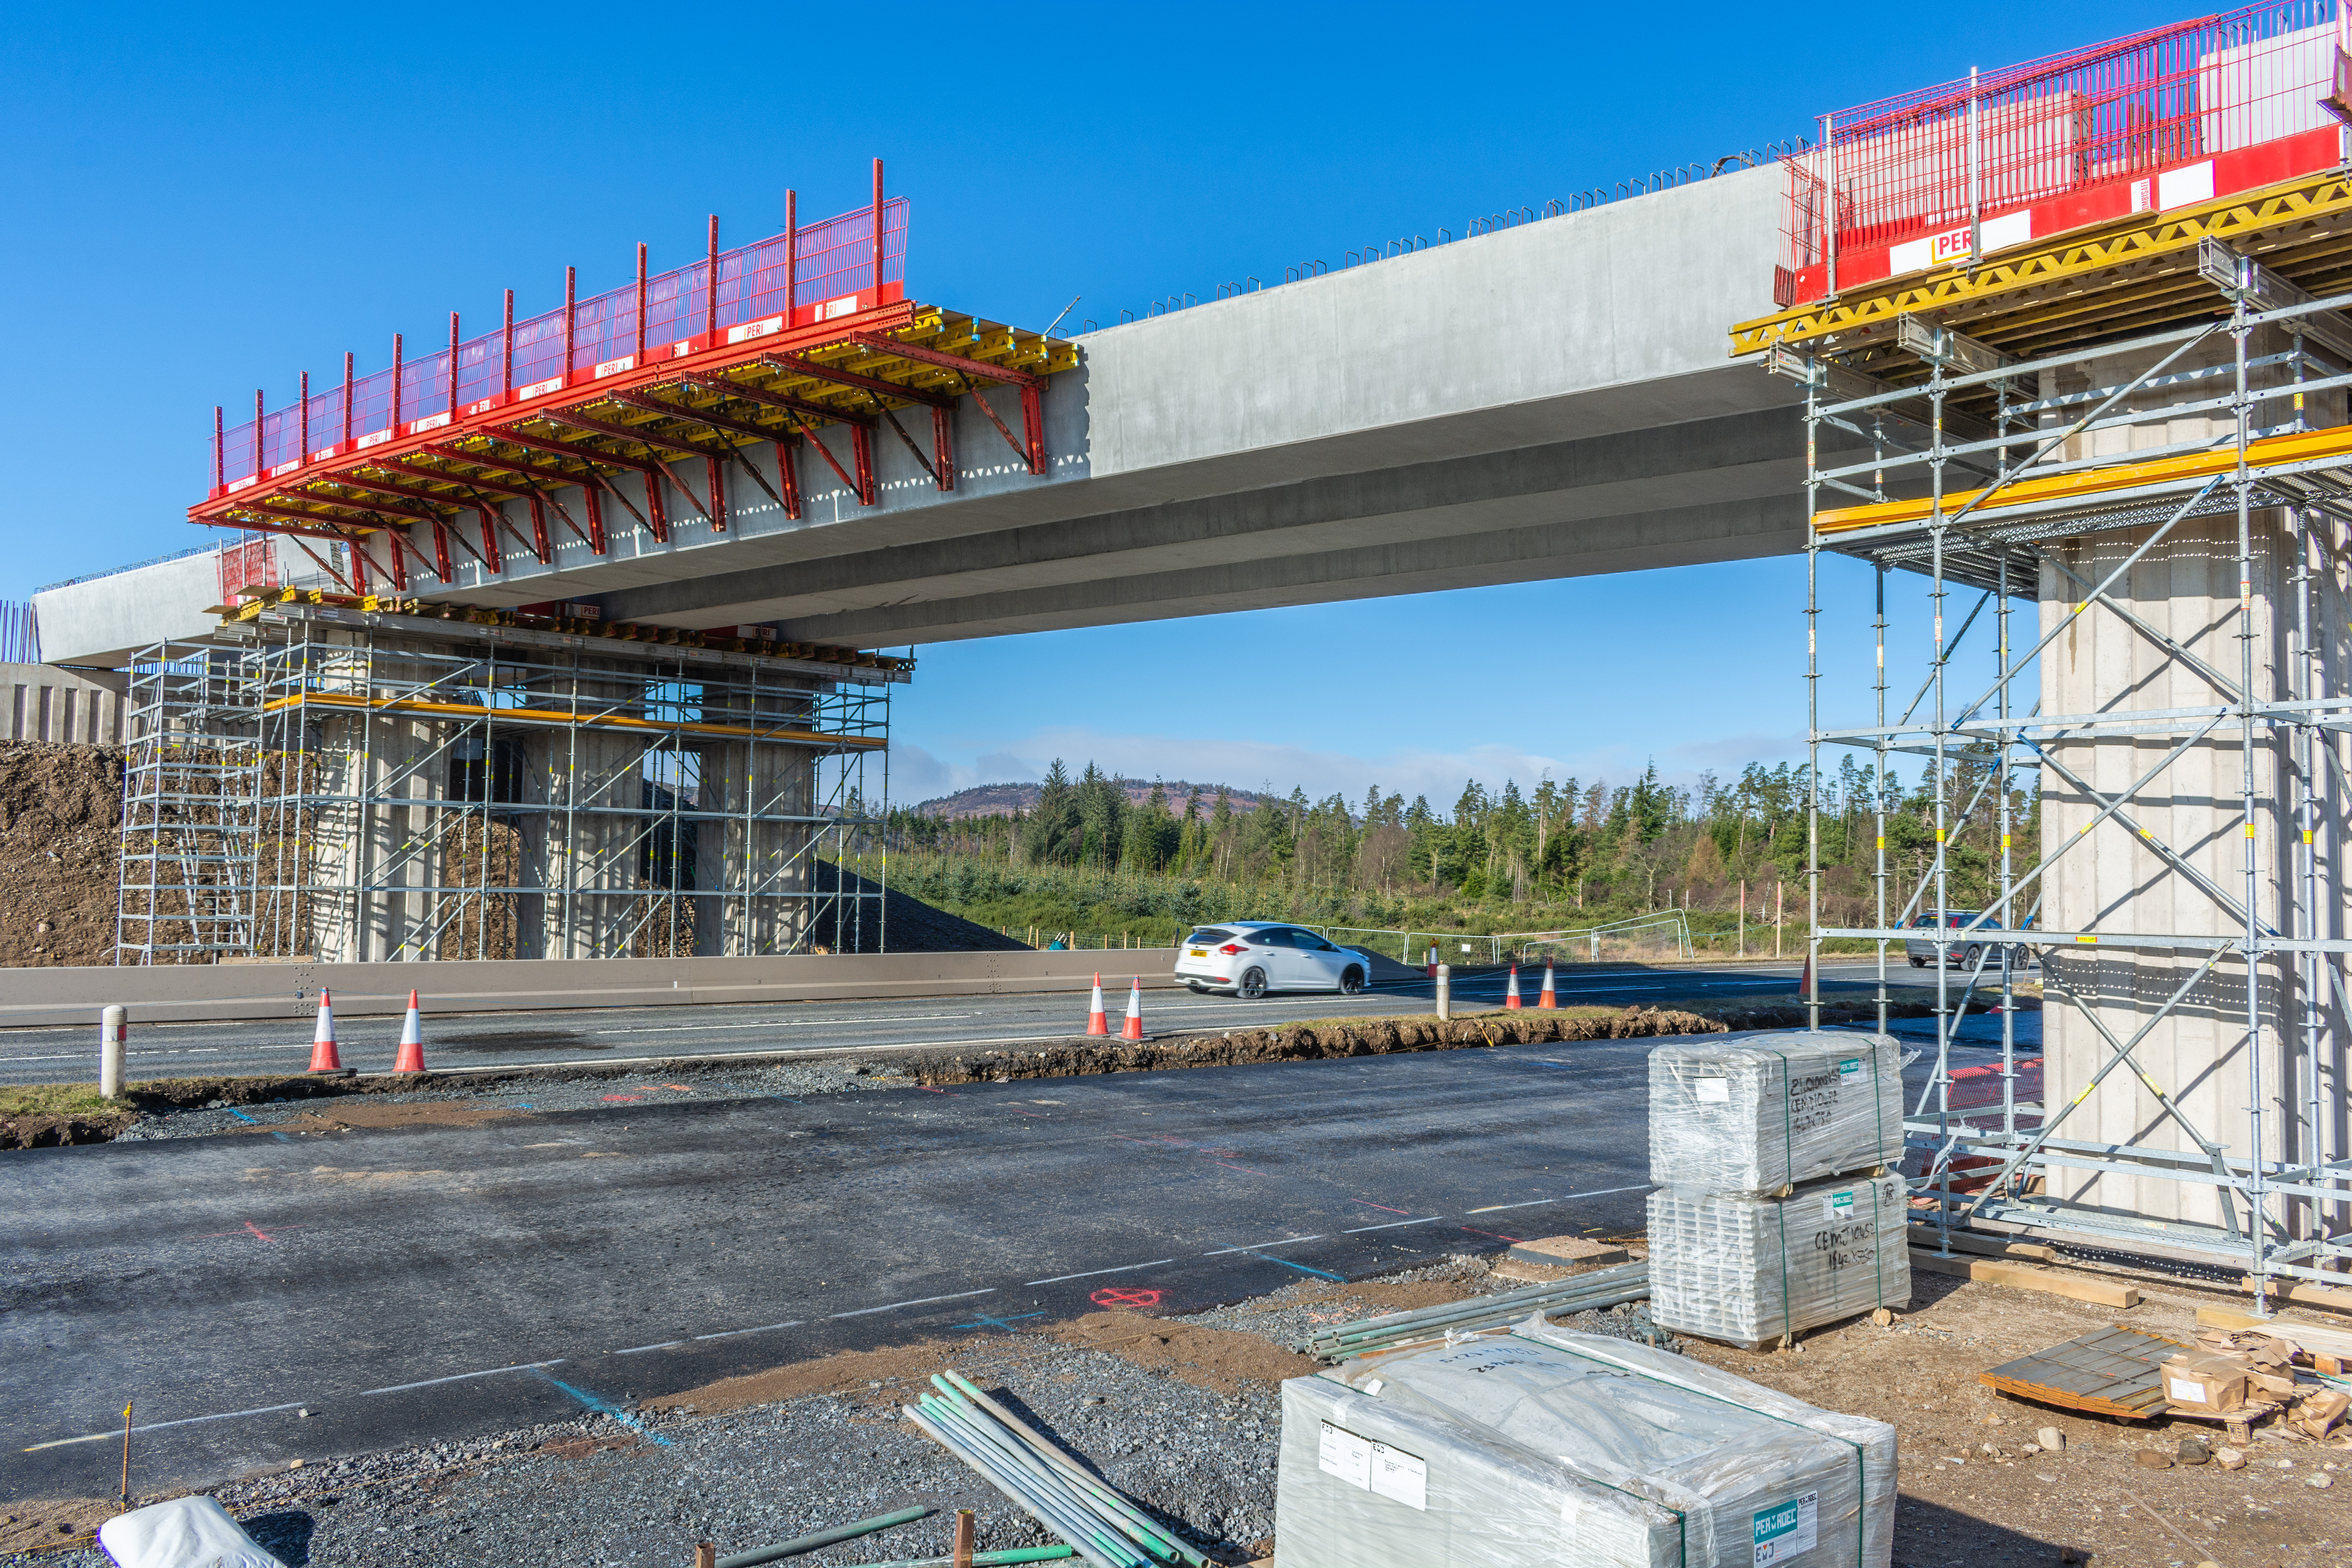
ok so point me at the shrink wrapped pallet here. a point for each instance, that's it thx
(1773, 1110)
(1537, 1448)
(1750, 1271)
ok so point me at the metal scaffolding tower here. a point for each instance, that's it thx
(2175, 504)
(357, 784)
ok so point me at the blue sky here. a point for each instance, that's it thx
(204, 201)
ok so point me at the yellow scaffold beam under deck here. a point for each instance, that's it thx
(536, 716)
(2091, 483)
(2115, 260)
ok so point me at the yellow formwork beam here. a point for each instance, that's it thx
(2130, 254)
(536, 716)
(2089, 484)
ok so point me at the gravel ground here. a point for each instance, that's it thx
(524, 1092)
(643, 1488)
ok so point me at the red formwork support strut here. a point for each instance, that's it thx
(861, 447)
(717, 495)
(944, 448)
(492, 556)
(441, 552)
(788, 476)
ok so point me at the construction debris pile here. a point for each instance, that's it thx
(1534, 1446)
(2240, 1374)
(1775, 1210)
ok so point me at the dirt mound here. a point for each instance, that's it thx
(1219, 1359)
(48, 1524)
(1321, 1040)
(57, 1131)
(60, 826)
(902, 1370)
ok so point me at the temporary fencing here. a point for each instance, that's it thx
(1578, 1293)
(806, 266)
(2094, 129)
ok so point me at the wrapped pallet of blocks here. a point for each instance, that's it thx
(1773, 1110)
(1752, 1271)
(1537, 1448)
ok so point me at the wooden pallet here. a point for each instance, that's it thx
(2115, 1372)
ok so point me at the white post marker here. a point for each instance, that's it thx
(1444, 993)
(113, 1031)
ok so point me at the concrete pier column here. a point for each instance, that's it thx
(2219, 1068)
(595, 826)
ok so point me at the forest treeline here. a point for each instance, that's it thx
(1560, 852)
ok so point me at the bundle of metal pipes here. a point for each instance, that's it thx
(1108, 1528)
(1578, 1293)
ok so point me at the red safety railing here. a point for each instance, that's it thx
(830, 264)
(253, 564)
(1937, 163)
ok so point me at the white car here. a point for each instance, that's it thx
(1250, 958)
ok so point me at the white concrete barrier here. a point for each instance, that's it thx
(180, 994)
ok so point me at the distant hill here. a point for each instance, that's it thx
(1003, 799)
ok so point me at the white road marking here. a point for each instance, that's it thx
(158, 1426)
(763, 1328)
(1602, 1192)
(917, 1301)
(1091, 1273)
(462, 1376)
(1392, 1224)
(638, 1350)
(1260, 1246)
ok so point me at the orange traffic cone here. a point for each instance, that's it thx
(1511, 992)
(1098, 1021)
(411, 1041)
(1134, 1029)
(1549, 999)
(323, 1056)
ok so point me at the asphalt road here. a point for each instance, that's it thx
(584, 1035)
(410, 1284)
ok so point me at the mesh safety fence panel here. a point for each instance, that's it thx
(835, 258)
(2126, 108)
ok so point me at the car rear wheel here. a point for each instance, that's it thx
(1918, 961)
(1351, 981)
(1970, 959)
(1253, 985)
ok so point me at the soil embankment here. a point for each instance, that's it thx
(60, 841)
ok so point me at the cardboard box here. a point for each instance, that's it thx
(2203, 1382)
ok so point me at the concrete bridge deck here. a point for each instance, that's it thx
(1548, 401)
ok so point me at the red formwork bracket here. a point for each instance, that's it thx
(788, 475)
(861, 445)
(441, 552)
(539, 540)
(493, 557)
(944, 448)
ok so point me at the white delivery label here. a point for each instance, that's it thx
(1347, 1456)
(1784, 1531)
(1397, 1474)
(2184, 1391)
(1849, 1067)
(1838, 1206)
(1712, 1090)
